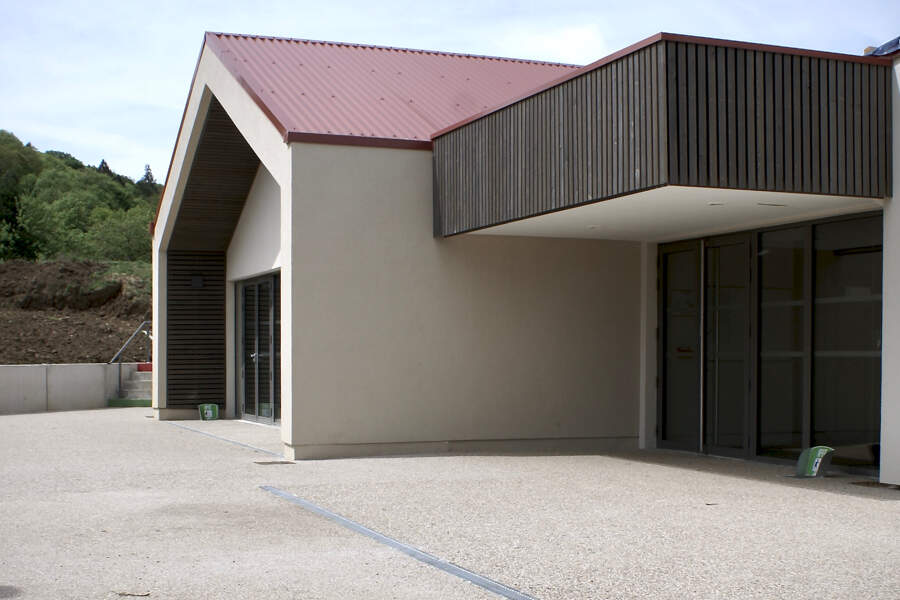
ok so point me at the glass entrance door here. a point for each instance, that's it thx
(679, 346)
(782, 349)
(259, 326)
(704, 395)
(727, 346)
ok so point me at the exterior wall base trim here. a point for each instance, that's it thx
(176, 414)
(513, 446)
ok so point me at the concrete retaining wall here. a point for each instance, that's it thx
(39, 388)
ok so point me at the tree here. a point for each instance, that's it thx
(119, 235)
(19, 166)
(147, 184)
(51, 205)
(148, 176)
(66, 158)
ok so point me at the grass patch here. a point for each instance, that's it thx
(137, 275)
(139, 269)
(129, 403)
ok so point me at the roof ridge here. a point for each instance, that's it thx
(394, 49)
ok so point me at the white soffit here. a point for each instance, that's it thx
(677, 212)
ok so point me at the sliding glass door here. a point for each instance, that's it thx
(726, 345)
(846, 369)
(259, 334)
(782, 350)
(784, 342)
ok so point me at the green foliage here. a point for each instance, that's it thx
(6, 239)
(147, 184)
(118, 269)
(138, 275)
(52, 205)
(18, 163)
(65, 158)
(120, 235)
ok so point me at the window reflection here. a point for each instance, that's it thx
(783, 301)
(846, 407)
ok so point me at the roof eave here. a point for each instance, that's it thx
(215, 46)
(659, 37)
(187, 102)
(356, 140)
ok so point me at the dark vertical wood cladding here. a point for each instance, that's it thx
(599, 135)
(220, 178)
(673, 113)
(195, 328)
(778, 122)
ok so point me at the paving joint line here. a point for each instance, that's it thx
(224, 439)
(420, 555)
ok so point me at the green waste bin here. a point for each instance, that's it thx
(209, 412)
(813, 462)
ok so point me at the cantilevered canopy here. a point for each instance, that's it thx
(808, 132)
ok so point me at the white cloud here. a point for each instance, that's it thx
(574, 44)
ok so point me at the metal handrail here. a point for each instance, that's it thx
(140, 328)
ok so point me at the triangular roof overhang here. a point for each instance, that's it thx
(223, 138)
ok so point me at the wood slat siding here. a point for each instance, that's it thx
(777, 122)
(596, 136)
(195, 328)
(676, 113)
(221, 175)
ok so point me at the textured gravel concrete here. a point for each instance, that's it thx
(95, 504)
(653, 525)
(99, 502)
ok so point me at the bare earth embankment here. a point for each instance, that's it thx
(71, 311)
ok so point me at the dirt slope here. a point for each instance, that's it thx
(67, 311)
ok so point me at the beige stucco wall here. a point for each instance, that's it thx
(255, 246)
(401, 337)
(649, 310)
(890, 328)
(255, 249)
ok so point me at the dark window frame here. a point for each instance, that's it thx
(274, 279)
(753, 418)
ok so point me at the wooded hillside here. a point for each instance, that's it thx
(54, 206)
(74, 257)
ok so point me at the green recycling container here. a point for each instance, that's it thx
(209, 412)
(813, 462)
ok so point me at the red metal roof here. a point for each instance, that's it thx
(674, 37)
(371, 95)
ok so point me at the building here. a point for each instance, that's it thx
(687, 244)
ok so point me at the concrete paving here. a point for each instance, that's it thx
(96, 504)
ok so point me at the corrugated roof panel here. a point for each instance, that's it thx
(328, 88)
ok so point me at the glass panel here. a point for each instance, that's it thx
(276, 362)
(249, 346)
(681, 334)
(847, 339)
(727, 337)
(264, 343)
(783, 300)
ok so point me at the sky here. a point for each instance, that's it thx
(109, 79)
